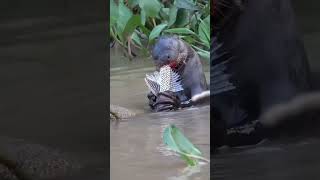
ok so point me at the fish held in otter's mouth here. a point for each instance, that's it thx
(165, 80)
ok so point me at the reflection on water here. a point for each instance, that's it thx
(281, 160)
(136, 147)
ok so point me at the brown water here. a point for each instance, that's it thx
(53, 90)
(136, 148)
(285, 159)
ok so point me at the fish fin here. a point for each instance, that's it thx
(153, 86)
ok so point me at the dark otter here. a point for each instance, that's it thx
(167, 50)
(269, 69)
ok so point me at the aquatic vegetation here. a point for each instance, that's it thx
(137, 23)
(177, 142)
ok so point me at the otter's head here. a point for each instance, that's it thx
(166, 50)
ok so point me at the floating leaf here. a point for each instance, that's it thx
(156, 31)
(188, 160)
(177, 142)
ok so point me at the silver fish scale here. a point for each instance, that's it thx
(165, 80)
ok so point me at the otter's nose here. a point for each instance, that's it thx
(166, 57)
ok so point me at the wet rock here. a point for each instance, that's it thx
(117, 112)
(22, 160)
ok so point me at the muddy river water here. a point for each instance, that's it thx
(136, 148)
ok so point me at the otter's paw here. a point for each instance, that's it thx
(166, 101)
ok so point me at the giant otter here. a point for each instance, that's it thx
(267, 66)
(167, 50)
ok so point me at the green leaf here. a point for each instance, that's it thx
(186, 4)
(179, 31)
(145, 30)
(188, 39)
(145, 52)
(156, 31)
(204, 31)
(188, 160)
(203, 53)
(124, 15)
(133, 3)
(114, 14)
(177, 142)
(131, 25)
(164, 12)
(136, 39)
(182, 18)
(143, 17)
(150, 7)
(172, 15)
(194, 22)
(206, 10)
(207, 20)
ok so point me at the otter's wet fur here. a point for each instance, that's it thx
(168, 49)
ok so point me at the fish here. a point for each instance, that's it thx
(166, 79)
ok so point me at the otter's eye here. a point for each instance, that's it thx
(168, 57)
